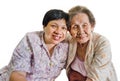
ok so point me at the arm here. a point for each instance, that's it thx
(18, 76)
(88, 79)
(102, 54)
(100, 61)
(20, 63)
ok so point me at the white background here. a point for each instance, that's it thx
(17, 17)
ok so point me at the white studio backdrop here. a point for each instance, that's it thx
(17, 17)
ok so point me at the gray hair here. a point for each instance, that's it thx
(82, 9)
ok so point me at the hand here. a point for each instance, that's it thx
(18, 76)
(88, 79)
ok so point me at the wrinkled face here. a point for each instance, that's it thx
(81, 28)
(55, 31)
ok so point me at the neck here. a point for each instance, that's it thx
(83, 45)
(50, 48)
(81, 51)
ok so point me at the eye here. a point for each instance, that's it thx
(74, 27)
(85, 25)
(64, 28)
(53, 26)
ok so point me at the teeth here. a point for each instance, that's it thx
(56, 37)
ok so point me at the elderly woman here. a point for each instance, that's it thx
(40, 56)
(89, 56)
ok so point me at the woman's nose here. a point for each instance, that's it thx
(80, 31)
(58, 30)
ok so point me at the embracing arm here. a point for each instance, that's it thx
(20, 63)
(100, 61)
(18, 76)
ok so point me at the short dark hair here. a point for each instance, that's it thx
(55, 14)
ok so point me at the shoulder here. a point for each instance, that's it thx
(34, 33)
(35, 36)
(100, 40)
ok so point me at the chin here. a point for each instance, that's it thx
(82, 41)
(56, 42)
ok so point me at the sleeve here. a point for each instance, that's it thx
(98, 70)
(21, 59)
(102, 54)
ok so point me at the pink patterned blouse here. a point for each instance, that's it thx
(32, 57)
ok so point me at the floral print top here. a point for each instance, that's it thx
(31, 56)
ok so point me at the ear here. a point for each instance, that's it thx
(43, 27)
(92, 28)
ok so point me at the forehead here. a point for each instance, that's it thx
(58, 22)
(80, 17)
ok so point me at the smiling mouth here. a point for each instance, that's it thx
(56, 37)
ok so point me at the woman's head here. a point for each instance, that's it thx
(55, 25)
(82, 9)
(82, 23)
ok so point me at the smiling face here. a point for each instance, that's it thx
(55, 31)
(81, 28)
